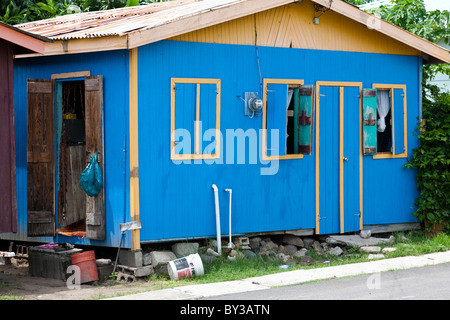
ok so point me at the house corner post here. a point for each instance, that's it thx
(134, 146)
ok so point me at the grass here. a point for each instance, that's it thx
(406, 244)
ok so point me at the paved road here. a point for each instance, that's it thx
(424, 283)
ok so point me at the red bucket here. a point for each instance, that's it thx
(88, 268)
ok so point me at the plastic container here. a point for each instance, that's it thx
(88, 268)
(186, 267)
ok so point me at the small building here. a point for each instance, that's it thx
(13, 41)
(274, 116)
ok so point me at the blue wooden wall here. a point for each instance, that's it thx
(176, 200)
(113, 66)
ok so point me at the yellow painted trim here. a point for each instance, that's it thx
(134, 147)
(197, 122)
(266, 82)
(218, 141)
(361, 154)
(393, 155)
(197, 153)
(341, 85)
(317, 158)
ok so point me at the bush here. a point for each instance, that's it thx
(431, 159)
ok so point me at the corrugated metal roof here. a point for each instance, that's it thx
(157, 21)
(120, 21)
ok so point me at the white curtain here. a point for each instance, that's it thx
(383, 106)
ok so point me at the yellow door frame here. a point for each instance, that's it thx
(341, 85)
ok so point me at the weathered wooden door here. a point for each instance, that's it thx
(40, 158)
(95, 206)
(8, 214)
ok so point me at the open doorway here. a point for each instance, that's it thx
(64, 128)
(71, 157)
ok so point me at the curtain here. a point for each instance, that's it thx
(383, 107)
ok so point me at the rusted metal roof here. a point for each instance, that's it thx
(140, 25)
(118, 22)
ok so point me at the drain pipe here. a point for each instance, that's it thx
(216, 200)
(229, 242)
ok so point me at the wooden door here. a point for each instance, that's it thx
(40, 158)
(339, 160)
(95, 206)
(8, 208)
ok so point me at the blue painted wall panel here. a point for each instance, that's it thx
(113, 66)
(176, 200)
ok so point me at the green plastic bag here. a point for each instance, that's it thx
(91, 178)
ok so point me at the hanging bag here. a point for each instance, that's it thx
(91, 178)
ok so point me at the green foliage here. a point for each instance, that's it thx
(411, 15)
(359, 2)
(20, 11)
(432, 161)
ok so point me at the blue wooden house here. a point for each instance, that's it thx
(255, 116)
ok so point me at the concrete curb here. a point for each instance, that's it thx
(209, 290)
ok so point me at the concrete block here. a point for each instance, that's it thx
(104, 271)
(243, 241)
(131, 258)
(183, 249)
(146, 259)
(160, 259)
(136, 272)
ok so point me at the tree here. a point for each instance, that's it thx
(19, 11)
(412, 16)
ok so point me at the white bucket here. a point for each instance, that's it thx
(186, 267)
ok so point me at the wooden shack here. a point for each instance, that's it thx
(290, 116)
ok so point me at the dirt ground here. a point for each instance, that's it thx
(17, 284)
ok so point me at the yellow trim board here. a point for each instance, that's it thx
(341, 86)
(392, 155)
(266, 82)
(197, 152)
(341, 158)
(134, 147)
(68, 75)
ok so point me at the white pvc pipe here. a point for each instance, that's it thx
(229, 242)
(216, 200)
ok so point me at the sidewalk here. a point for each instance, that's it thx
(192, 292)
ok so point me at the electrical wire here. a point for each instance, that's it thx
(257, 57)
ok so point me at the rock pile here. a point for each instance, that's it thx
(288, 249)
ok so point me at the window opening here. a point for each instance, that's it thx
(195, 118)
(384, 121)
(287, 119)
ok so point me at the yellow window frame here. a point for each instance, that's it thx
(197, 154)
(266, 82)
(392, 154)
